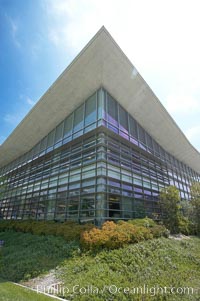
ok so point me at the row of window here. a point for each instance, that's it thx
(104, 175)
(36, 181)
(66, 162)
(100, 109)
(84, 208)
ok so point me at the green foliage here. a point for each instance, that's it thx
(184, 225)
(2, 184)
(24, 255)
(171, 209)
(10, 292)
(2, 189)
(159, 231)
(144, 222)
(162, 262)
(68, 230)
(195, 201)
(115, 235)
(159, 262)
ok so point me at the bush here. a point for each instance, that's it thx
(159, 231)
(112, 236)
(68, 230)
(145, 222)
(186, 226)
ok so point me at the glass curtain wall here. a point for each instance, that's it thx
(97, 164)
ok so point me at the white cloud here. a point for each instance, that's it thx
(152, 33)
(35, 49)
(182, 103)
(30, 101)
(54, 36)
(26, 100)
(14, 32)
(60, 7)
(13, 119)
(72, 23)
(159, 37)
(21, 109)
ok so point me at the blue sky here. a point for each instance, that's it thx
(39, 38)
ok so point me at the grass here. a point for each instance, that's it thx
(25, 256)
(159, 262)
(11, 292)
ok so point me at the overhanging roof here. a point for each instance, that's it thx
(100, 63)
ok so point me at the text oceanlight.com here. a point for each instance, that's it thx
(113, 289)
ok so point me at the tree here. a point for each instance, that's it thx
(195, 201)
(170, 208)
(2, 185)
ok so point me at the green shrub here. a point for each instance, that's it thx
(184, 225)
(159, 262)
(110, 236)
(159, 231)
(145, 222)
(193, 228)
(69, 230)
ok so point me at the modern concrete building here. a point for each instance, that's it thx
(98, 145)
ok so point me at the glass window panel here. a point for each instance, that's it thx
(74, 186)
(147, 192)
(114, 183)
(78, 134)
(50, 140)
(127, 187)
(162, 152)
(123, 117)
(89, 182)
(52, 184)
(154, 186)
(101, 103)
(68, 126)
(74, 178)
(36, 149)
(126, 178)
(90, 110)
(113, 174)
(43, 143)
(88, 174)
(112, 115)
(127, 207)
(78, 119)
(141, 134)
(138, 196)
(137, 182)
(133, 127)
(87, 209)
(73, 207)
(146, 184)
(136, 189)
(113, 128)
(149, 141)
(89, 128)
(59, 132)
(156, 146)
(89, 167)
